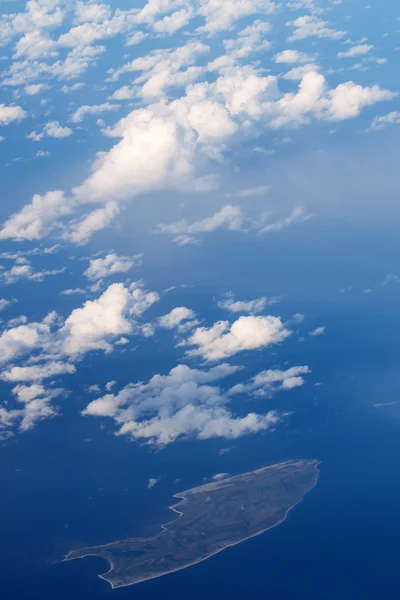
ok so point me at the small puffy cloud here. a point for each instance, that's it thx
(359, 50)
(19, 340)
(35, 220)
(310, 26)
(272, 380)
(26, 271)
(123, 93)
(247, 333)
(178, 316)
(55, 130)
(392, 118)
(34, 88)
(136, 38)
(4, 304)
(80, 232)
(220, 15)
(317, 331)
(66, 89)
(8, 114)
(251, 306)
(109, 265)
(152, 482)
(291, 57)
(93, 326)
(348, 99)
(38, 372)
(219, 476)
(97, 109)
(72, 291)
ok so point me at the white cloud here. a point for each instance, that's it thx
(297, 214)
(219, 476)
(93, 326)
(317, 331)
(392, 118)
(8, 114)
(34, 89)
(19, 340)
(123, 93)
(272, 380)
(72, 291)
(251, 306)
(96, 109)
(291, 57)
(359, 50)
(220, 15)
(4, 304)
(310, 26)
(81, 231)
(170, 24)
(178, 316)
(259, 190)
(66, 89)
(55, 130)
(178, 405)
(247, 333)
(26, 271)
(163, 69)
(229, 216)
(35, 220)
(152, 482)
(109, 265)
(203, 423)
(38, 372)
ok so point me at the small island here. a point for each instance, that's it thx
(212, 517)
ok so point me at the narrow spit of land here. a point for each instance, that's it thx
(212, 517)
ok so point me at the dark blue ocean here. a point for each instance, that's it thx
(70, 482)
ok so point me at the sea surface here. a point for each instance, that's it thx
(71, 483)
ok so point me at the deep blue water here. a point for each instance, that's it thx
(70, 482)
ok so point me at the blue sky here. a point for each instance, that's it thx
(188, 178)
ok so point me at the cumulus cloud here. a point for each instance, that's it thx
(310, 26)
(272, 380)
(109, 316)
(81, 231)
(152, 482)
(178, 405)
(35, 220)
(180, 317)
(317, 331)
(392, 118)
(250, 306)
(8, 114)
(109, 265)
(52, 129)
(359, 50)
(247, 333)
(26, 271)
(292, 57)
(4, 303)
(21, 339)
(97, 109)
(38, 372)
